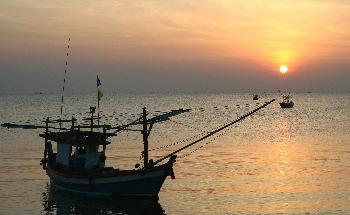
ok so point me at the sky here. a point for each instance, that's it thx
(142, 46)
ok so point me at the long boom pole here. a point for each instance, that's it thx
(216, 131)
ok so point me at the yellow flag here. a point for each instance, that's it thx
(99, 94)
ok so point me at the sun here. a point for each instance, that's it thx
(283, 69)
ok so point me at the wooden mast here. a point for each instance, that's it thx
(46, 143)
(92, 111)
(145, 138)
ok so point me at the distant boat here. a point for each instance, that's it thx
(286, 102)
(256, 97)
(38, 93)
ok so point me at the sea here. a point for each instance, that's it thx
(277, 161)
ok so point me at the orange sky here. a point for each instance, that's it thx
(225, 36)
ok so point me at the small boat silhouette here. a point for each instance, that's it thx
(286, 102)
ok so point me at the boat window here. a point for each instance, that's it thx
(63, 153)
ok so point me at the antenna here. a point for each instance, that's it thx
(64, 77)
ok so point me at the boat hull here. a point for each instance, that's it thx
(147, 184)
(287, 105)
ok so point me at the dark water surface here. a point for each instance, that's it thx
(294, 161)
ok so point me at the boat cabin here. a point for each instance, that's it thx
(78, 151)
(81, 151)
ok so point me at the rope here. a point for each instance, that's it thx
(179, 142)
(208, 142)
(203, 133)
(226, 130)
(216, 131)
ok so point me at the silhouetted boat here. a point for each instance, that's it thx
(286, 102)
(77, 163)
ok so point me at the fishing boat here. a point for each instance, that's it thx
(286, 102)
(77, 162)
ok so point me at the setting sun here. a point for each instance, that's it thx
(283, 69)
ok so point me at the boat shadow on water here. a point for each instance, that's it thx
(60, 202)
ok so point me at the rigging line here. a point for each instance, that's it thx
(64, 78)
(200, 147)
(216, 131)
(203, 132)
(208, 142)
(179, 142)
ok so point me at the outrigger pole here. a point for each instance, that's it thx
(215, 131)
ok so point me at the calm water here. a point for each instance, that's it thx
(279, 161)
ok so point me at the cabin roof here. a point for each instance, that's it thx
(78, 138)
